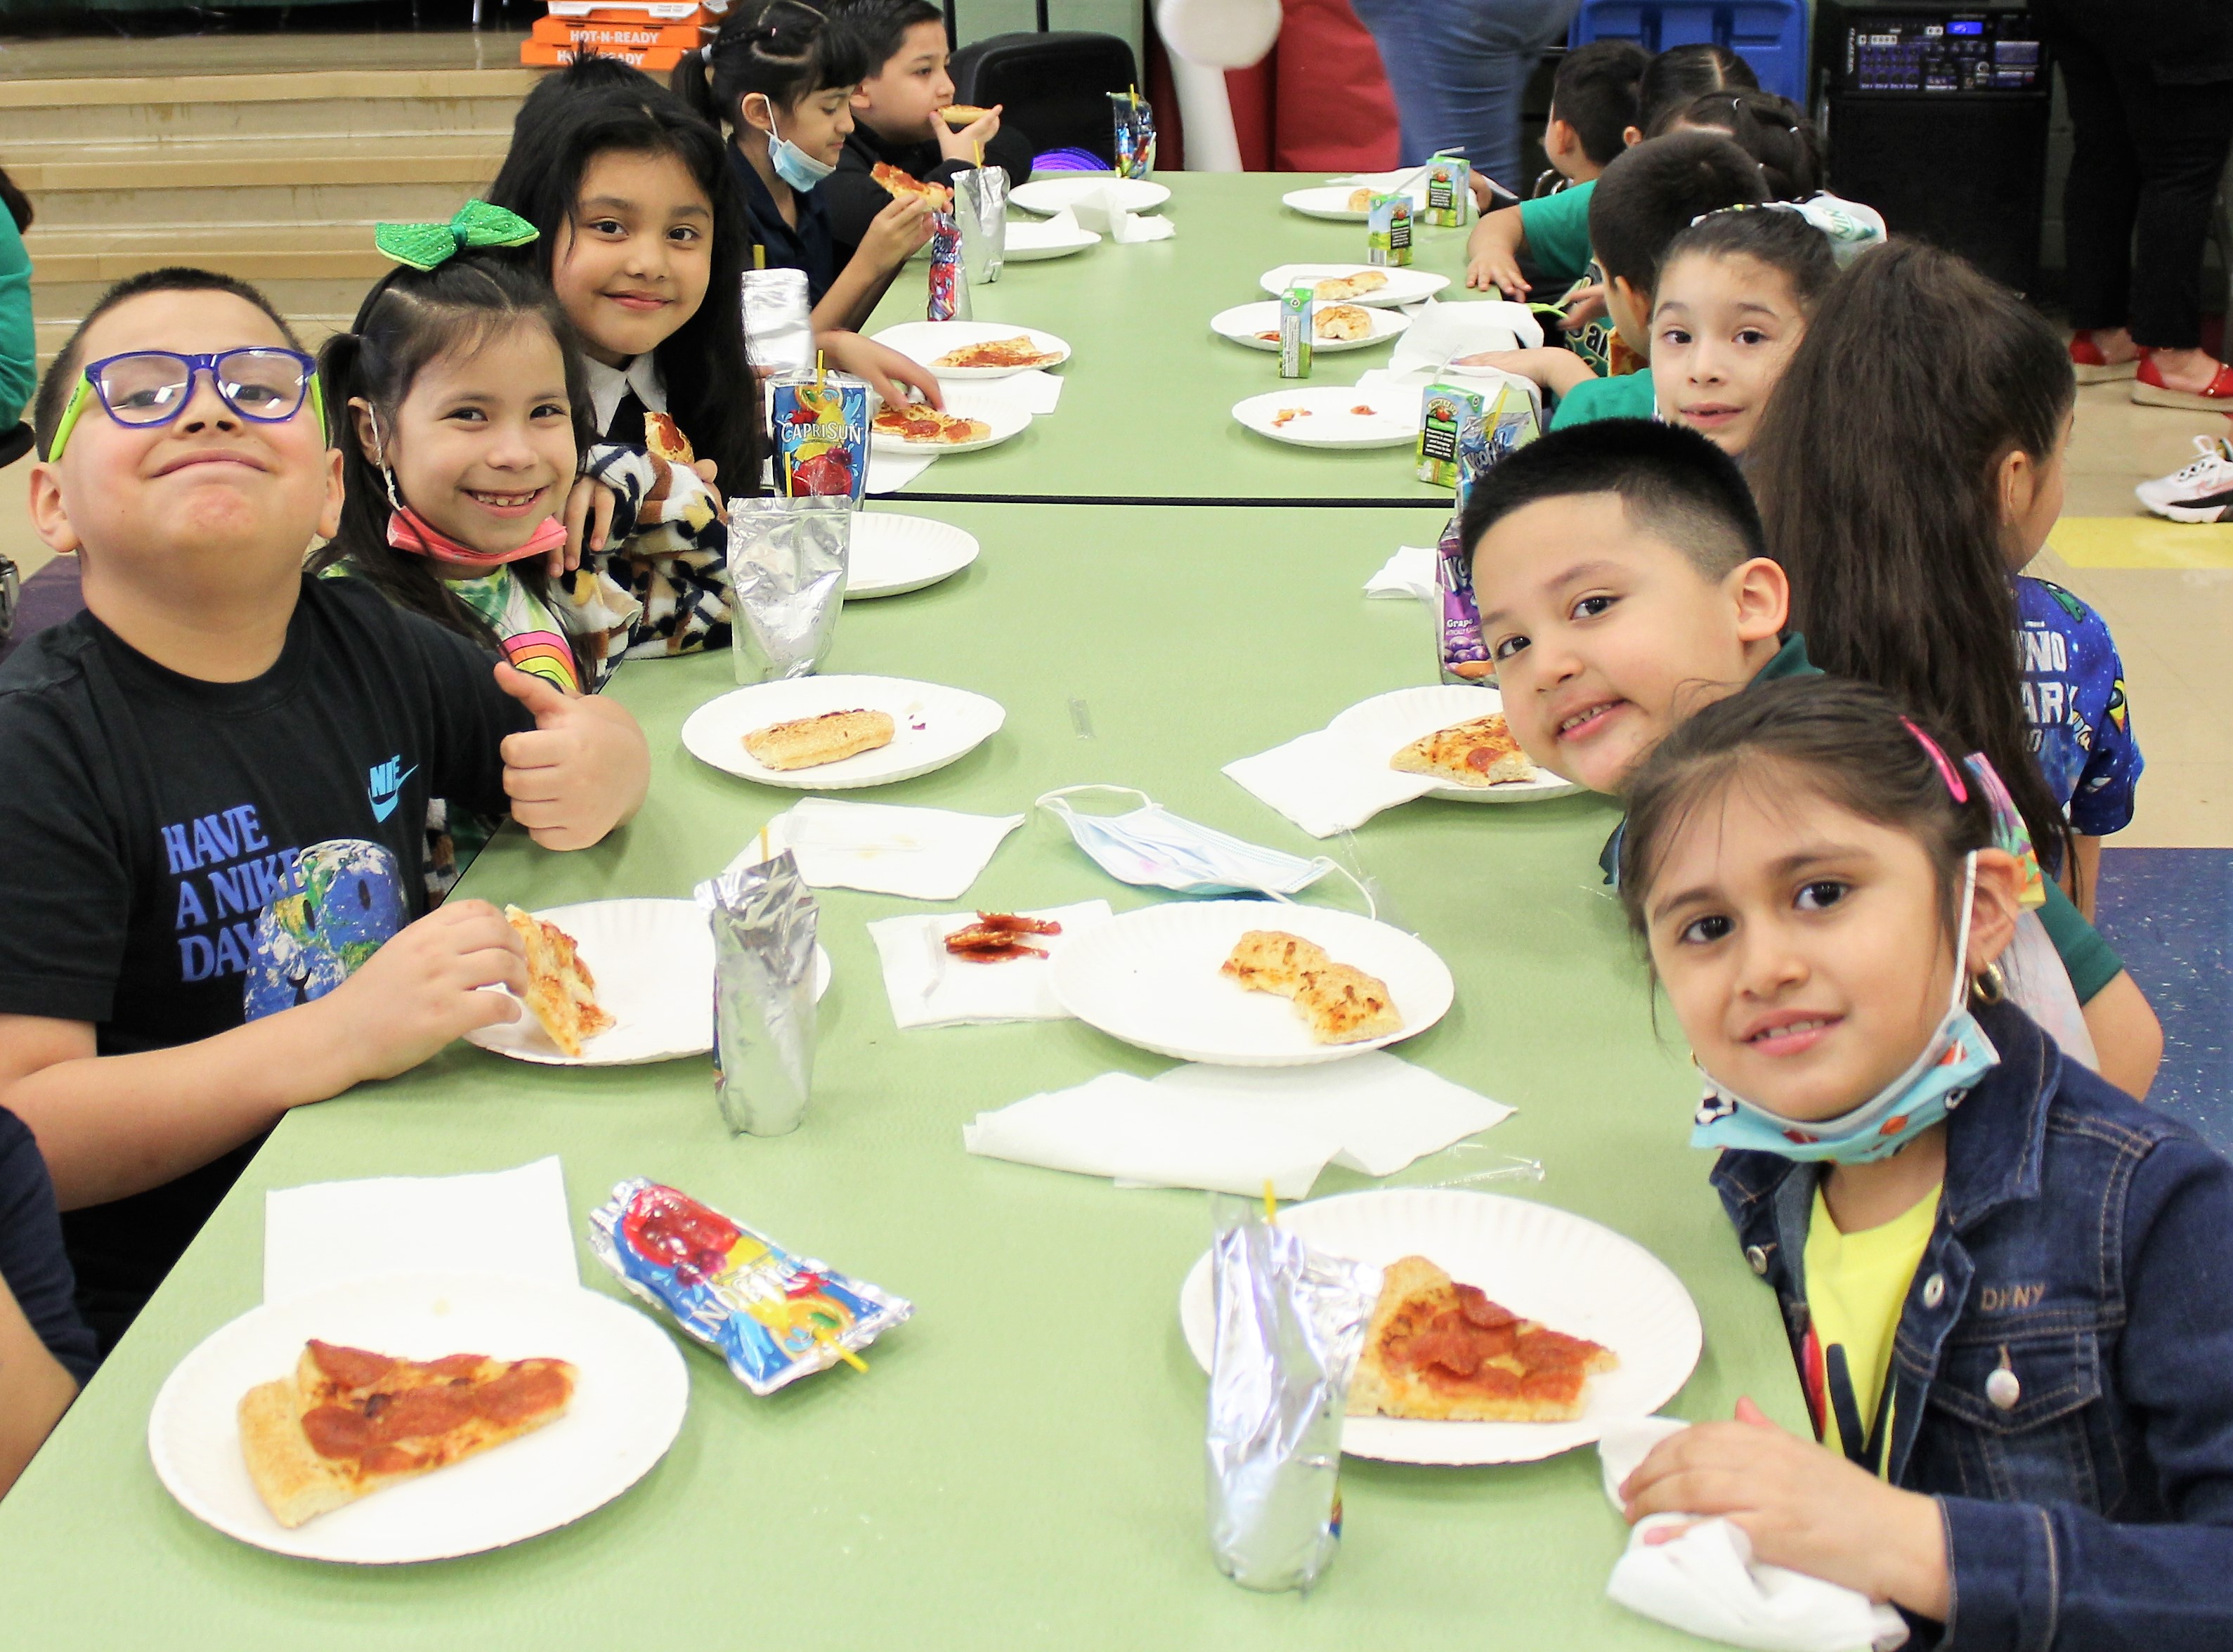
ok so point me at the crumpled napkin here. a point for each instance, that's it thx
(1410, 572)
(1060, 230)
(1096, 209)
(928, 986)
(1232, 1129)
(1706, 1582)
(923, 854)
(1319, 782)
(498, 1221)
(1440, 331)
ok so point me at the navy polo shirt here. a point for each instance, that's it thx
(809, 247)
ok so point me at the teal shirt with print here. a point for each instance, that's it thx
(1627, 395)
(19, 344)
(2091, 962)
(1556, 231)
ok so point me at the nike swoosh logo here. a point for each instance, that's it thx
(381, 810)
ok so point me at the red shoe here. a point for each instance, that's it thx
(2093, 367)
(2149, 391)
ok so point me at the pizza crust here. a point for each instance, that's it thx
(1476, 754)
(560, 991)
(1334, 287)
(1343, 1004)
(1427, 1330)
(1272, 960)
(1341, 322)
(809, 742)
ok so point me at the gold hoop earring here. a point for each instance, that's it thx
(1990, 986)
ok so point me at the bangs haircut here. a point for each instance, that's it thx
(877, 29)
(1673, 484)
(1595, 93)
(1656, 190)
(61, 377)
(1839, 740)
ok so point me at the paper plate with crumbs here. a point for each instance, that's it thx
(896, 729)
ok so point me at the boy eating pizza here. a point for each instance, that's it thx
(217, 779)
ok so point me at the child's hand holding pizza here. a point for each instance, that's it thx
(580, 771)
(425, 986)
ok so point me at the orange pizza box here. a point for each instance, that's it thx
(615, 37)
(638, 13)
(541, 53)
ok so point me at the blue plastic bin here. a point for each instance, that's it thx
(1770, 35)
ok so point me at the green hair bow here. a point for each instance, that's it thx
(424, 246)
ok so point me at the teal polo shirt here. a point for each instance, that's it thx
(1626, 395)
(1556, 229)
(2091, 962)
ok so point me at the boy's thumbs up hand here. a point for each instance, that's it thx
(583, 769)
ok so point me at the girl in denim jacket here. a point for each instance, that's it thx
(2009, 1286)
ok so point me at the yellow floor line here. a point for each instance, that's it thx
(2141, 542)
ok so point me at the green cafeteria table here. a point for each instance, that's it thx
(1022, 1464)
(1154, 384)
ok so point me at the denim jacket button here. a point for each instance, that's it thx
(2003, 1388)
(1934, 1291)
(1757, 1259)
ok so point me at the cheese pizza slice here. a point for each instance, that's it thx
(560, 991)
(1343, 1004)
(350, 1422)
(1478, 754)
(1443, 1351)
(1272, 960)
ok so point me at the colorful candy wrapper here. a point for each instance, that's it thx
(1135, 122)
(1449, 191)
(821, 423)
(773, 1316)
(1290, 1325)
(1296, 307)
(1388, 229)
(950, 292)
(1459, 655)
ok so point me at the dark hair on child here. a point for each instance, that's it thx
(878, 27)
(1773, 130)
(17, 203)
(1877, 468)
(1652, 192)
(1672, 481)
(1681, 73)
(1844, 740)
(410, 318)
(566, 122)
(1595, 93)
(62, 375)
(1783, 241)
(783, 49)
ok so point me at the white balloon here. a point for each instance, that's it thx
(1218, 33)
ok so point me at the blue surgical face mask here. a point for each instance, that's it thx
(1151, 846)
(1949, 1067)
(793, 165)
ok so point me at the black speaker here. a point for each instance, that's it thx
(1936, 115)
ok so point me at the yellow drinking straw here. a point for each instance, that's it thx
(1270, 1202)
(764, 848)
(840, 1349)
(980, 155)
(817, 370)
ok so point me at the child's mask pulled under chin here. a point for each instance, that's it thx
(1947, 1068)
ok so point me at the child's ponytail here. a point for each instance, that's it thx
(1773, 130)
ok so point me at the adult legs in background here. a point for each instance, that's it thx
(1458, 68)
(2183, 133)
(2102, 197)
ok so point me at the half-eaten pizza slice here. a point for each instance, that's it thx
(560, 991)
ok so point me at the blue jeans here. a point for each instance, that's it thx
(1458, 68)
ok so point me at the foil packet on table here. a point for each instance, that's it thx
(1290, 1325)
(764, 919)
(778, 319)
(773, 1316)
(980, 204)
(787, 565)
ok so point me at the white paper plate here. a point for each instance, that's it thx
(1330, 417)
(925, 342)
(1048, 196)
(1150, 978)
(1244, 322)
(891, 554)
(629, 1403)
(653, 964)
(1332, 201)
(1029, 240)
(1405, 285)
(1378, 728)
(1005, 418)
(936, 725)
(1541, 1262)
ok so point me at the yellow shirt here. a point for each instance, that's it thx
(1856, 1285)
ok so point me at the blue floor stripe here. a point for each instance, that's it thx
(2169, 913)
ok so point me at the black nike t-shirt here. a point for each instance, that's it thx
(178, 857)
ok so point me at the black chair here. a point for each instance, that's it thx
(14, 444)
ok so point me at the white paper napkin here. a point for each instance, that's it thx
(1410, 572)
(1096, 209)
(1706, 1583)
(1035, 390)
(928, 986)
(1058, 230)
(1440, 331)
(1324, 784)
(890, 472)
(499, 1221)
(923, 854)
(1230, 1130)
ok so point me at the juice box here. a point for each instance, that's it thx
(1297, 305)
(1449, 191)
(1388, 229)
(1445, 411)
(821, 434)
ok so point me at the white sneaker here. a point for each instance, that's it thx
(2201, 492)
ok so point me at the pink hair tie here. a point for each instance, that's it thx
(1946, 770)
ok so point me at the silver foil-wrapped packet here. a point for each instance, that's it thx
(1290, 1325)
(787, 560)
(763, 920)
(779, 320)
(980, 202)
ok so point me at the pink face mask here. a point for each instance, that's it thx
(408, 530)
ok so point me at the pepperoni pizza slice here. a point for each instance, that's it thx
(901, 184)
(1443, 1351)
(351, 1421)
